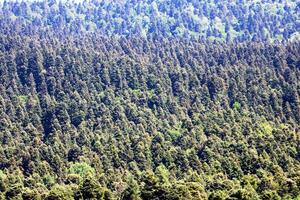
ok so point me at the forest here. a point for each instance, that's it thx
(150, 100)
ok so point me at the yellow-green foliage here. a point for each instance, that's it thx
(82, 169)
(266, 128)
(163, 174)
(101, 94)
(175, 132)
(283, 126)
(137, 92)
(22, 99)
(236, 105)
(61, 192)
(3, 179)
(48, 180)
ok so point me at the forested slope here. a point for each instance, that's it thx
(222, 20)
(109, 115)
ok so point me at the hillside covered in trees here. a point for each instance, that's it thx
(150, 100)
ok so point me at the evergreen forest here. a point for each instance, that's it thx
(150, 100)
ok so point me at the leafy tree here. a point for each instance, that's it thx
(82, 169)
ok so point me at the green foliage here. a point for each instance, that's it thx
(266, 128)
(218, 195)
(272, 195)
(101, 94)
(90, 189)
(22, 99)
(137, 92)
(163, 174)
(175, 131)
(60, 192)
(214, 20)
(14, 192)
(132, 191)
(29, 194)
(48, 180)
(82, 169)
(236, 105)
(3, 181)
(171, 99)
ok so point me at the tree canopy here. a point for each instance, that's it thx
(150, 100)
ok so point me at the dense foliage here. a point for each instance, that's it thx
(222, 20)
(95, 103)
